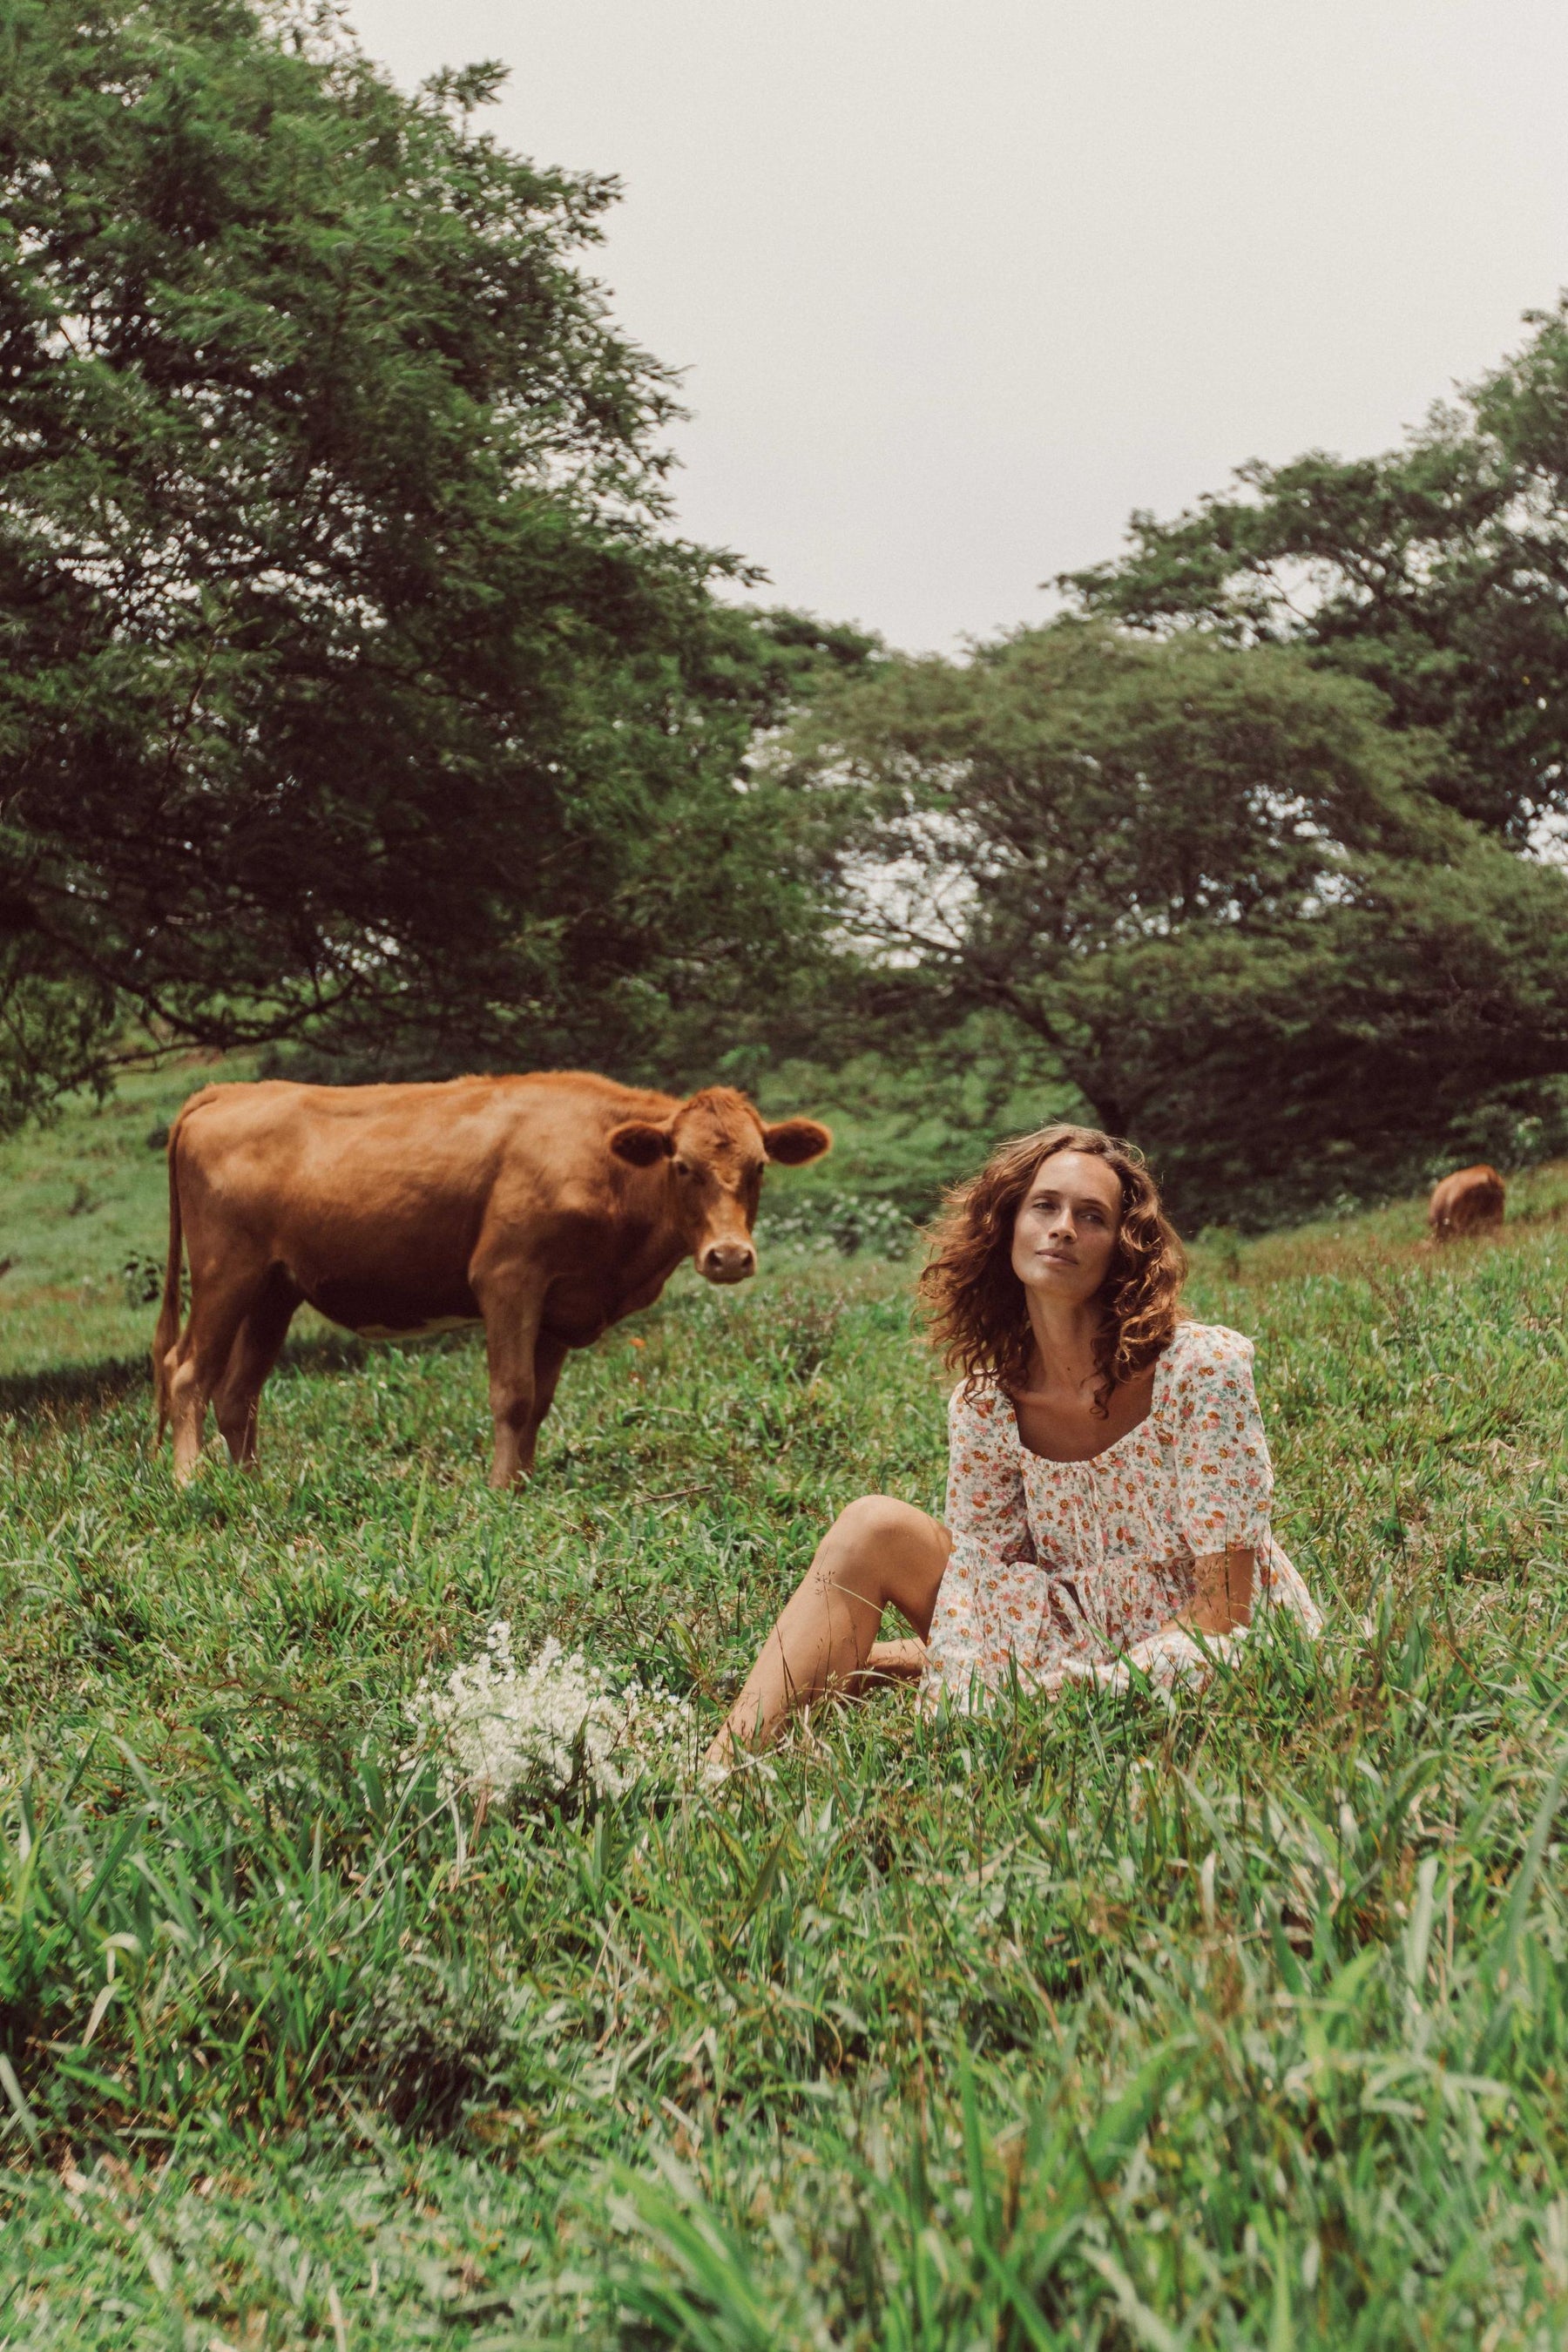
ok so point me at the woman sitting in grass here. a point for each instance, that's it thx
(1109, 1479)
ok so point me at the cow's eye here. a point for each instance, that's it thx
(683, 1168)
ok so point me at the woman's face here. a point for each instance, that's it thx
(1064, 1236)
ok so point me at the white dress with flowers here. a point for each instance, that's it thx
(1071, 1569)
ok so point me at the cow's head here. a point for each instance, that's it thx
(714, 1149)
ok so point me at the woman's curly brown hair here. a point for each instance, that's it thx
(974, 1301)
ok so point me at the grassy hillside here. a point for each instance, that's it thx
(1242, 2021)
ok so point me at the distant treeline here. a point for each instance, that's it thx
(358, 700)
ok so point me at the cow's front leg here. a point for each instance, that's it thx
(548, 1358)
(512, 1341)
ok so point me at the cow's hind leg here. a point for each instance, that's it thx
(257, 1347)
(219, 1306)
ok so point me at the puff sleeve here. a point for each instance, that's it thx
(988, 1513)
(1224, 1480)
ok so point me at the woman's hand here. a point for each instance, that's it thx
(1222, 1592)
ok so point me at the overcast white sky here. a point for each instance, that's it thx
(959, 283)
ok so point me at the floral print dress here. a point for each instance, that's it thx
(1069, 1569)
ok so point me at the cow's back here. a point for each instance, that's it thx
(1471, 1200)
(374, 1198)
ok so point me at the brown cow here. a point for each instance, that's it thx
(1470, 1201)
(546, 1207)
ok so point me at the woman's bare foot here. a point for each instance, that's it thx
(888, 1662)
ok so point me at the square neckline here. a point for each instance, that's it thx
(1086, 1461)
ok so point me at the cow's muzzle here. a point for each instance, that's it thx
(727, 1261)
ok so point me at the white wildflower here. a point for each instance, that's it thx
(508, 1729)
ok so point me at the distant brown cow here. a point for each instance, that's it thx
(1470, 1201)
(546, 1207)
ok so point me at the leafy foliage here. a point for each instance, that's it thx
(349, 684)
(1219, 891)
(1436, 571)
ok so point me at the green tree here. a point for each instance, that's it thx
(350, 686)
(1211, 882)
(1436, 572)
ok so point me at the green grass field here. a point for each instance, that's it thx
(1241, 2022)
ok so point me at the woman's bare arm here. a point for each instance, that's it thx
(1222, 1591)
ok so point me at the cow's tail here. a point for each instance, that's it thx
(168, 1330)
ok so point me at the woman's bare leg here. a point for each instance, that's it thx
(876, 1551)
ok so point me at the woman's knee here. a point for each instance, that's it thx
(873, 1522)
(883, 1550)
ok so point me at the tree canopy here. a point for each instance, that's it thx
(1214, 885)
(1436, 572)
(354, 689)
(351, 684)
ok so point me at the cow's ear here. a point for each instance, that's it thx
(641, 1142)
(794, 1142)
